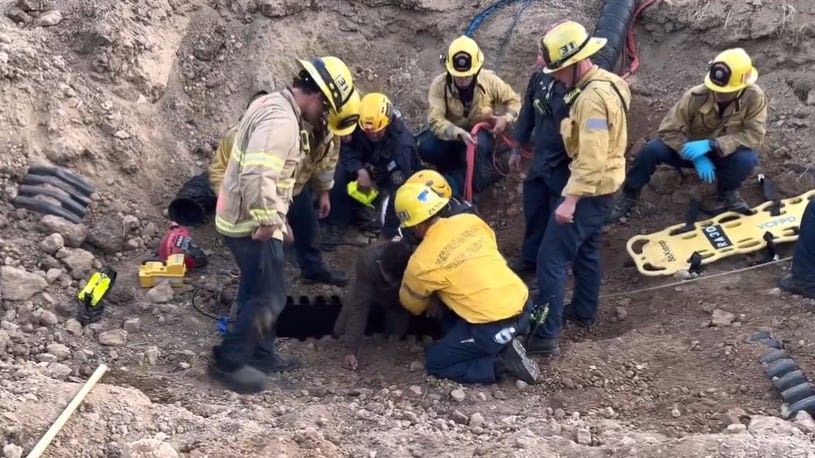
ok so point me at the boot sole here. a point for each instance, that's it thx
(530, 370)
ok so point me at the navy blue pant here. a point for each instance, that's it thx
(803, 261)
(302, 218)
(467, 352)
(731, 171)
(449, 157)
(577, 244)
(342, 203)
(540, 197)
(262, 285)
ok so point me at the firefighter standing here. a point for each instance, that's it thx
(251, 213)
(595, 136)
(316, 172)
(458, 99)
(715, 128)
(544, 109)
(457, 262)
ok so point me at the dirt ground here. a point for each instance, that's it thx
(133, 95)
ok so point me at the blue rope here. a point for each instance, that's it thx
(499, 58)
(483, 15)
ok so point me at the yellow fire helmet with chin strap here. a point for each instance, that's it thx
(375, 112)
(416, 203)
(567, 43)
(463, 58)
(344, 121)
(731, 71)
(333, 78)
(434, 180)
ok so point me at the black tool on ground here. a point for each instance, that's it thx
(55, 191)
(194, 202)
(537, 316)
(770, 194)
(91, 296)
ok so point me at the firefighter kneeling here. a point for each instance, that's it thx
(457, 263)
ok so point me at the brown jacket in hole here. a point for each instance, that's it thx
(379, 270)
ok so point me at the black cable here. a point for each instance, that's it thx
(202, 312)
(499, 58)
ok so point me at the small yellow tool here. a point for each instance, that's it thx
(364, 197)
(92, 294)
(153, 271)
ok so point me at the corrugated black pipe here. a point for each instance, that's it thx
(613, 25)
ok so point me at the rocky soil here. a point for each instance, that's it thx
(133, 95)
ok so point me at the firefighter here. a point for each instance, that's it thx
(544, 109)
(270, 143)
(316, 173)
(595, 136)
(379, 270)
(715, 127)
(457, 263)
(463, 96)
(379, 156)
(801, 279)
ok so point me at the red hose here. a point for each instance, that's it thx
(468, 179)
(631, 42)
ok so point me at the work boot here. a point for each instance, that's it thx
(622, 207)
(732, 201)
(274, 362)
(244, 380)
(545, 347)
(326, 277)
(521, 267)
(332, 238)
(568, 314)
(513, 361)
(792, 285)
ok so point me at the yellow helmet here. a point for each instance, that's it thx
(732, 70)
(375, 112)
(434, 180)
(566, 44)
(345, 121)
(333, 77)
(463, 57)
(416, 203)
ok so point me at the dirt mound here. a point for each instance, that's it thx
(119, 421)
(133, 96)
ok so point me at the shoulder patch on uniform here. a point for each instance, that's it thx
(596, 124)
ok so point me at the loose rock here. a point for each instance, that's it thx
(78, 261)
(458, 395)
(52, 243)
(161, 293)
(12, 451)
(735, 428)
(59, 350)
(113, 338)
(149, 448)
(45, 317)
(51, 18)
(459, 417)
(132, 325)
(722, 318)
(58, 371)
(476, 420)
(73, 326)
(416, 366)
(583, 436)
(73, 234)
(18, 285)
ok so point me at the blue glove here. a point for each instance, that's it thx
(696, 149)
(705, 169)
